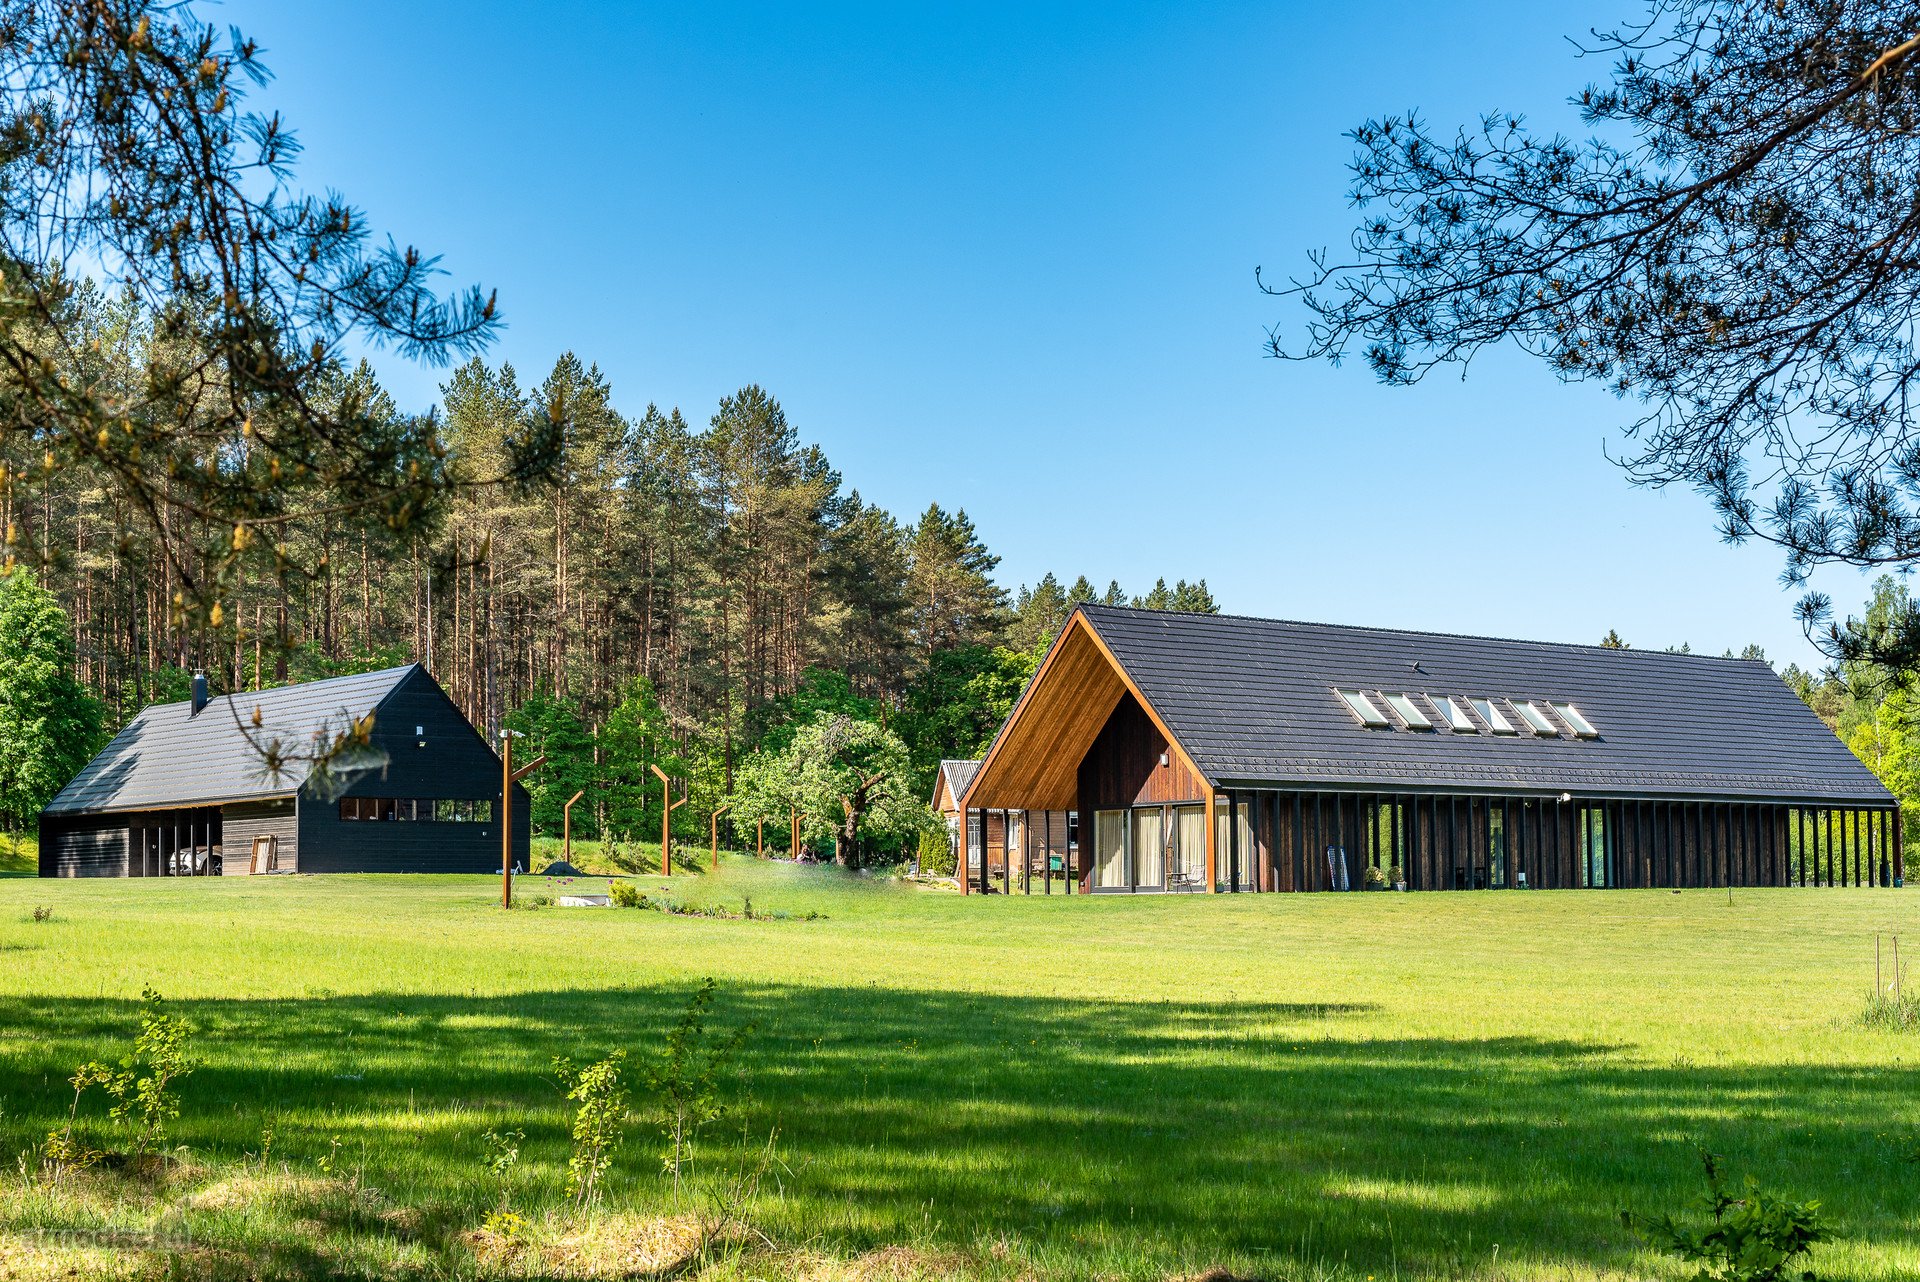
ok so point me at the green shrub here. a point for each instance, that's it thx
(1755, 1238)
(599, 1124)
(686, 1080)
(936, 852)
(625, 894)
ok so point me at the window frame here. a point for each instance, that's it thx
(1361, 705)
(1496, 720)
(1576, 720)
(1458, 719)
(1407, 710)
(1537, 718)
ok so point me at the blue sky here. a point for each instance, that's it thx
(1003, 258)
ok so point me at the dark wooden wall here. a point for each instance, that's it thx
(1123, 768)
(84, 846)
(454, 764)
(244, 821)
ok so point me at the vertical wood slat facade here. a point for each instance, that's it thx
(1302, 840)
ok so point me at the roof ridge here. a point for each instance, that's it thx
(1418, 632)
(296, 685)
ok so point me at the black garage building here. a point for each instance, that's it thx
(183, 789)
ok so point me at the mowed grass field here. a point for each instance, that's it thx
(1352, 1087)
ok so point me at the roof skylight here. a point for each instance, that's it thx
(1536, 717)
(1364, 708)
(1582, 728)
(1456, 714)
(1404, 705)
(1496, 720)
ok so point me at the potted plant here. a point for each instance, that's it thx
(1399, 876)
(1371, 878)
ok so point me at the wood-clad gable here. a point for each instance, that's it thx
(1034, 762)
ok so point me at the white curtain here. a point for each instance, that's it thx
(1149, 852)
(1109, 849)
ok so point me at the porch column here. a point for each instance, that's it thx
(1213, 830)
(966, 850)
(1233, 842)
(986, 824)
(1026, 854)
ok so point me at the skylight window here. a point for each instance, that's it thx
(1403, 704)
(1364, 708)
(1536, 717)
(1456, 714)
(1496, 720)
(1582, 728)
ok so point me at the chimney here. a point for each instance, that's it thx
(199, 692)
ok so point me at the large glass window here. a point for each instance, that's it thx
(1497, 844)
(1593, 839)
(1223, 862)
(1188, 869)
(1110, 850)
(1149, 850)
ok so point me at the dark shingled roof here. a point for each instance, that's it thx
(1252, 701)
(958, 775)
(166, 757)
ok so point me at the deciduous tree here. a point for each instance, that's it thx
(49, 725)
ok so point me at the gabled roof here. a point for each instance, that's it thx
(955, 775)
(166, 757)
(1251, 703)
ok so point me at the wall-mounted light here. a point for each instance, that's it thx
(1163, 758)
(420, 733)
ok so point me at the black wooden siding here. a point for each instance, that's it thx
(84, 846)
(1446, 842)
(455, 764)
(244, 821)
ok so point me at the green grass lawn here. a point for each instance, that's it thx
(1340, 1087)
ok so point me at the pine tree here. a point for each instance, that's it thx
(949, 580)
(1039, 614)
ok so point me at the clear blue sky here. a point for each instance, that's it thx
(1003, 258)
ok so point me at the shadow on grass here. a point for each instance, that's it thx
(1156, 1133)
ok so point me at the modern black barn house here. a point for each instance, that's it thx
(1213, 753)
(183, 791)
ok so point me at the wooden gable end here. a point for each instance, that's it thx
(1034, 763)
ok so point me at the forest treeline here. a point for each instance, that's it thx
(696, 584)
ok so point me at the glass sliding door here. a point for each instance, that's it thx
(1110, 850)
(1187, 864)
(1149, 849)
(1223, 868)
